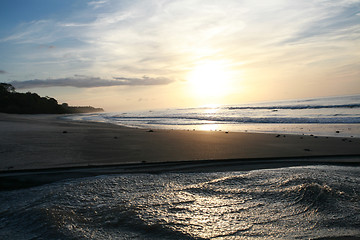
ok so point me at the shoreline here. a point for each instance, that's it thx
(342, 130)
(41, 143)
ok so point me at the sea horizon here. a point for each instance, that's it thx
(325, 116)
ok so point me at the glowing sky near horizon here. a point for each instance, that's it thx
(129, 55)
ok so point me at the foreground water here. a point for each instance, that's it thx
(335, 116)
(288, 203)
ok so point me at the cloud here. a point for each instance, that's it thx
(142, 81)
(80, 81)
(169, 37)
(2, 72)
(47, 46)
(34, 32)
(339, 20)
(97, 4)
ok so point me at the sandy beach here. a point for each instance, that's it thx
(43, 142)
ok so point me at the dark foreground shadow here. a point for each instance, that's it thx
(12, 180)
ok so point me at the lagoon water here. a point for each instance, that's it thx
(287, 203)
(332, 116)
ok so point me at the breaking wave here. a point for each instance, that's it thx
(297, 107)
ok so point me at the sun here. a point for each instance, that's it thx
(209, 79)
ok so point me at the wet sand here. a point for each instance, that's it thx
(43, 142)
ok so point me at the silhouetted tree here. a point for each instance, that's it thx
(6, 88)
(31, 103)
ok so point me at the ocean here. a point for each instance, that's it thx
(331, 116)
(312, 202)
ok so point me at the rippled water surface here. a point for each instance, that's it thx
(287, 203)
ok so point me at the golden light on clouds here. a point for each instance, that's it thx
(169, 53)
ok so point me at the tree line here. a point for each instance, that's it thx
(31, 103)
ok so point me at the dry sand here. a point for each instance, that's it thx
(33, 142)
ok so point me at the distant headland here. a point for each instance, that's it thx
(31, 103)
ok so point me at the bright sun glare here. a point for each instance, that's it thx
(209, 79)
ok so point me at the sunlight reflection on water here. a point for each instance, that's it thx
(209, 127)
(336, 116)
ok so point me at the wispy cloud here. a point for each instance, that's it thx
(337, 20)
(47, 46)
(36, 32)
(168, 38)
(2, 72)
(79, 81)
(97, 4)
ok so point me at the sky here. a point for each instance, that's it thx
(126, 55)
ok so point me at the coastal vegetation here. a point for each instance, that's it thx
(31, 103)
